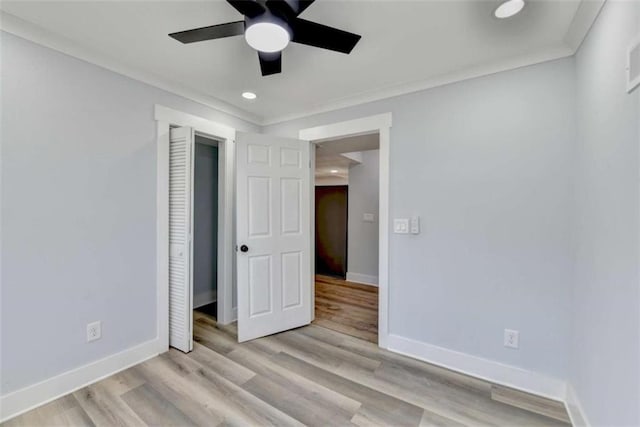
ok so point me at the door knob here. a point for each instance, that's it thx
(244, 248)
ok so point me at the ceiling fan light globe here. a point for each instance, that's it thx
(508, 9)
(267, 37)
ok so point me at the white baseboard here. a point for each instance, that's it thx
(30, 397)
(204, 298)
(574, 408)
(498, 373)
(362, 278)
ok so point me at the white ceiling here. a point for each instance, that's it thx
(328, 162)
(406, 45)
(328, 154)
(349, 144)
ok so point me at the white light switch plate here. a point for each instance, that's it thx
(401, 226)
(415, 225)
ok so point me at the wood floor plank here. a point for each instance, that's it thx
(456, 403)
(322, 353)
(195, 409)
(307, 376)
(307, 411)
(62, 412)
(124, 381)
(242, 407)
(299, 385)
(537, 404)
(223, 366)
(75, 417)
(223, 339)
(105, 408)
(229, 402)
(154, 409)
(321, 279)
(376, 406)
(347, 307)
(374, 352)
(431, 419)
(347, 329)
(293, 394)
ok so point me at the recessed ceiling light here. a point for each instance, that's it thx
(509, 8)
(334, 171)
(249, 95)
(267, 37)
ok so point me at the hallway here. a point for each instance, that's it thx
(347, 307)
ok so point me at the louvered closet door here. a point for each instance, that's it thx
(180, 247)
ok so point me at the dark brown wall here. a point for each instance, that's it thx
(331, 230)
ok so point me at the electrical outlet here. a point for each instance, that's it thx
(511, 338)
(94, 331)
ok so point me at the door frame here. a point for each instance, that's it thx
(380, 124)
(225, 135)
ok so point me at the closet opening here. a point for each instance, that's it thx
(205, 226)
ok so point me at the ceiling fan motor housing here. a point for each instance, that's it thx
(268, 17)
(269, 26)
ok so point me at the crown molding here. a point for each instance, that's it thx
(28, 31)
(545, 55)
(583, 20)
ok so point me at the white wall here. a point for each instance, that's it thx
(362, 246)
(605, 360)
(487, 164)
(78, 210)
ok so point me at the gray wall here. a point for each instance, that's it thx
(78, 196)
(205, 223)
(362, 247)
(523, 225)
(487, 164)
(605, 361)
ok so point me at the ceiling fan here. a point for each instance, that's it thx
(269, 26)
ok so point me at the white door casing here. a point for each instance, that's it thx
(273, 223)
(381, 124)
(180, 240)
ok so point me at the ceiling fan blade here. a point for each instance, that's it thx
(270, 62)
(322, 36)
(282, 8)
(250, 8)
(302, 5)
(209, 33)
(288, 8)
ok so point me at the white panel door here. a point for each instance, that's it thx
(180, 241)
(273, 234)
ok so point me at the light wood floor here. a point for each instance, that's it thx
(308, 376)
(347, 307)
